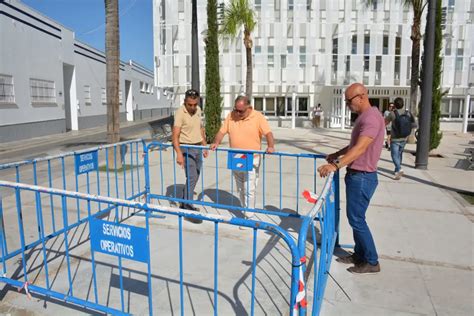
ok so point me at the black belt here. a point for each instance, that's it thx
(195, 144)
(350, 170)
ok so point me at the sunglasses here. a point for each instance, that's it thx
(349, 101)
(192, 93)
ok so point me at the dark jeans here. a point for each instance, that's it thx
(360, 186)
(192, 168)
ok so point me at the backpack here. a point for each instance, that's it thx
(402, 125)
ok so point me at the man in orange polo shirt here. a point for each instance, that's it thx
(246, 127)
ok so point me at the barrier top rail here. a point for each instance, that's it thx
(70, 153)
(155, 144)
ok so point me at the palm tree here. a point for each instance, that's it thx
(417, 6)
(112, 58)
(239, 14)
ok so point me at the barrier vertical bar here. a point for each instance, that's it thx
(64, 173)
(94, 278)
(3, 239)
(216, 262)
(107, 170)
(254, 268)
(120, 268)
(117, 195)
(263, 194)
(150, 294)
(66, 243)
(174, 173)
(138, 167)
(281, 190)
(88, 192)
(131, 169)
(98, 186)
(181, 293)
(39, 218)
(315, 174)
(315, 266)
(147, 173)
(161, 170)
(217, 177)
(337, 205)
(297, 184)
(51, 200)
(124, 171)
(21, 231)
(77, 200)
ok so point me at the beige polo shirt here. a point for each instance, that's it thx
(190, 125)
(246, 133)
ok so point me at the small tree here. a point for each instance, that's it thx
(435, 134)
(212, 109)
(239, 13)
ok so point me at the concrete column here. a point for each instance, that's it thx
(467, 103)
(74, 102)
(343, 110)
(293, 110)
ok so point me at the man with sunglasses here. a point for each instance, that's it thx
(361, 157)
(188, 130)
(246, 127)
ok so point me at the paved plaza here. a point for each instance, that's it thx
(422, 227)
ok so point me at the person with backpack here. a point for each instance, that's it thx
(402, 123)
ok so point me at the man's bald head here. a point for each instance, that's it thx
(357, 97)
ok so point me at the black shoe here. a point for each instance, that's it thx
(194, 209)
(351, 259)
(365, 268)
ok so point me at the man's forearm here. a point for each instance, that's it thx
(218, 138)
(270, 140)
(342, 151)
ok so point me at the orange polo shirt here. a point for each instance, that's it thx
(246, 133)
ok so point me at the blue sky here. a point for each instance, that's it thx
(87, 19)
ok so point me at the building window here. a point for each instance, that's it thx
(366, 63)
(7, 91)
(87, 95)
(42, 91)
(447, 50)
(270, 106)
(258, 49)
(334, 45)
(302, 107)
(283, 61)
(103, 96)
(354, 44)
(367, 44)
(397, 70)
(385, 45)
(290, 5)
(258, 104)
(302, 56)
(280, 106)
(120, 97)
(378, 70)
(398, 45)
(271, 57)
(289, 49)
(348, 63)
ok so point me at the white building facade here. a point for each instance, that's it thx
(51, 83)
(306, 52)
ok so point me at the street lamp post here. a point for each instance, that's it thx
(194, 49)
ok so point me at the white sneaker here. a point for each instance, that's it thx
(249, 215)
(398, 175)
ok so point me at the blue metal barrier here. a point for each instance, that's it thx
(283, 177)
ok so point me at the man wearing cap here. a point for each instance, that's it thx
(246, 127)
(188, 130)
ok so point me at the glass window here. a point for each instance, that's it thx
(397, 67)
(280, 106)
(398, 45)
(366, 44)
(258, 104)
(271, 56)
(258, 49)
(354, 44)
(42, 91)
(334, 45)
(103, 96)
(456, 108)
(302, 56)
(378, 63)
(348, 63)
(289, 102)
(283, 61)
(87, 95)
(458, 63)
(385, 45)
(366, 63)
(445, 108)
(302, 107)
(7, 92)
(270, 106)
(289, 49)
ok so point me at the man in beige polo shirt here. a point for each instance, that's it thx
(188, 130)
(246, 127)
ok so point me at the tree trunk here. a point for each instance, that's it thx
(112, 58)
(415, 64)
(248, 51)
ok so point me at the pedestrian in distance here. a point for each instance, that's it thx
(188, 130)
(402, 122)
(361, 157)
(317, 113)
(246, 127)
(388, 124)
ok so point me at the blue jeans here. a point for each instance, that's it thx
(360, 187)
(396, 149)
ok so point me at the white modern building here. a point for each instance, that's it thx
(52, 83)
(311, 50)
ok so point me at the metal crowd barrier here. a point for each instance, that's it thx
(26, 208)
